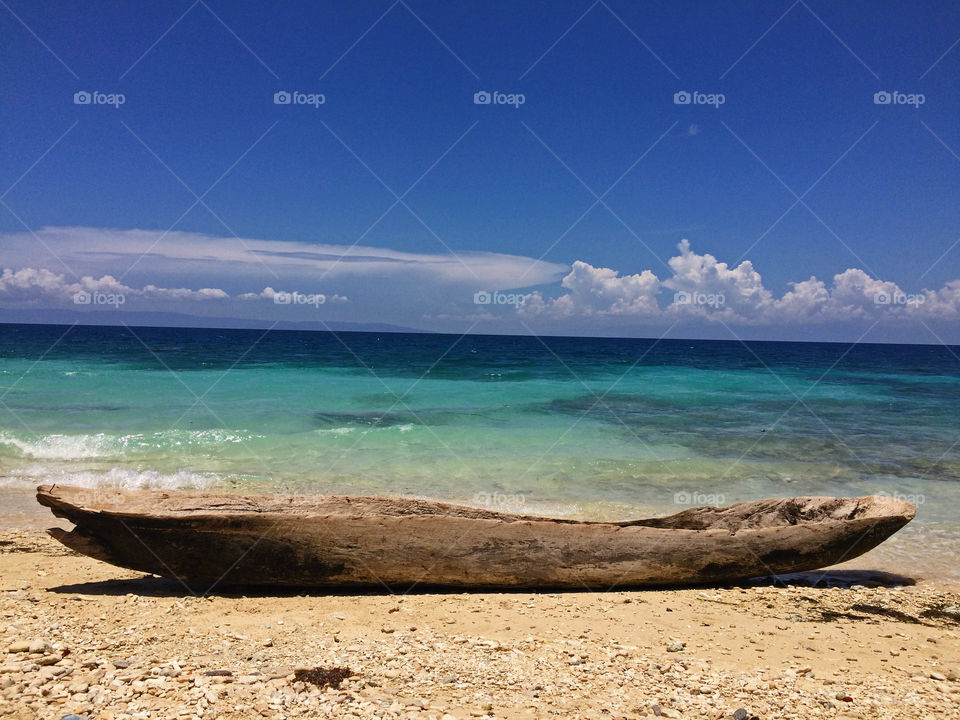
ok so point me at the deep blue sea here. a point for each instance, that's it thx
(579, 427)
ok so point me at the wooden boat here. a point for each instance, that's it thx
(341, 541)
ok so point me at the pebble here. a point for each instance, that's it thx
(21, 646)
(39, 646)
(452, 671)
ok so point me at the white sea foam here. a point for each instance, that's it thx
(84, 446)
(63, 447)
(115, 478)
(405, 428)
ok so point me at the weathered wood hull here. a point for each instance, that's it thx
(339, 541)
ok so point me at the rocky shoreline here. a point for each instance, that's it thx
(81, 637)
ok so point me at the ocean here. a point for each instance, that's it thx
(574, 427)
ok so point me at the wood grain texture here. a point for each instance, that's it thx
(343, 541)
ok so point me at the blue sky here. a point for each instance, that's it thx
(491, 197)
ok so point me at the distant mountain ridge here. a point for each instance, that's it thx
(161, 319)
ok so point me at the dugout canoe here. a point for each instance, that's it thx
(343, 541)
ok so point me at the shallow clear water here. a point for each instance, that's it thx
(578, 427)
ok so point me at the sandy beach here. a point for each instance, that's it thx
(79, 636)
(506, 360)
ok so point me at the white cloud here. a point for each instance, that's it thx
(211, 275)
(103, 250)
(738, 292)
(806, 302)
(39, 285)
(152, 291)
(944, 303)
(711, 290)
(268, 293)
(600, 291)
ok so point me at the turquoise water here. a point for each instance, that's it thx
(576, 427)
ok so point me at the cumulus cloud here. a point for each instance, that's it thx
(600, 291)
(39, 285)
(854, 295)
(218, 276)
(732, 292)
(944, 303)
(705, 288)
